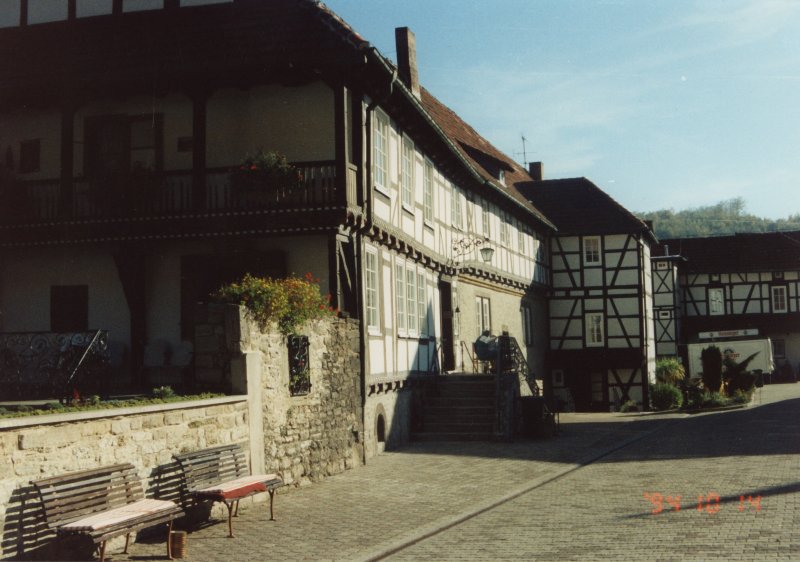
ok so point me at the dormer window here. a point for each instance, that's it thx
(501, 176)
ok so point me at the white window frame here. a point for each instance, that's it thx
(483, 314)
(592, 250)
(595, 329)
(371, 296)
(407, 173)
(422, 303)
(504, 227)
(456, 214)
(776, 297)
(486, 221)
(412, 321)
(427, 195)
(380, 152)
(520, 239)
(716, 306)
(400, 297)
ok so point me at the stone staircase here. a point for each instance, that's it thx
(461, 407)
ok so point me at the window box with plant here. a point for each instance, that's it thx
(264, 177)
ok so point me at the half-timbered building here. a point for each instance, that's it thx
(739, 284)
(119, 128)
(601, 346)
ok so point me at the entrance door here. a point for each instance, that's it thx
(446, 303)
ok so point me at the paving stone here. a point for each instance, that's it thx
(580, 496)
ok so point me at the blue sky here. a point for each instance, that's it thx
(662, 104)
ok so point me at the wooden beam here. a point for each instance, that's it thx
(67, 160)
(199, 137)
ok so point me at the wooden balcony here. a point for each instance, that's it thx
(167, 205)
(168, 194)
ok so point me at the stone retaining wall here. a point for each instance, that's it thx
(305, 437)
(39, 447)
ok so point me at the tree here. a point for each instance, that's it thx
(711, 358)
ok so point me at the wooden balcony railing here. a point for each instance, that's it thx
(168, 193)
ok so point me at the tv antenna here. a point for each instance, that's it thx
(524, 152)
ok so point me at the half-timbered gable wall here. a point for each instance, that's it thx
(667, 304)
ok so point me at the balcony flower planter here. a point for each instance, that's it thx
(264, 178)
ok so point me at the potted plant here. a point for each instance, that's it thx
(265, 176)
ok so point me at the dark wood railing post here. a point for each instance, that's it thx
(199, 130)
(65, 192)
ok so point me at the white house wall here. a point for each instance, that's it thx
(27, 278)
(297, 121)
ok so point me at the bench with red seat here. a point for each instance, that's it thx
(220, 474)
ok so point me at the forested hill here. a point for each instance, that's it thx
(726, 217)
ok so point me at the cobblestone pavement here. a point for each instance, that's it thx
(578, 496)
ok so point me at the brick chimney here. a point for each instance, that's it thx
(406, 45)
(535, 171)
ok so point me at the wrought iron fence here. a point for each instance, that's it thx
(41, 365)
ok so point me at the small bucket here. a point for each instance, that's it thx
(178, 545)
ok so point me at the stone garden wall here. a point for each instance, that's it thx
(305, 437)
(42, 446)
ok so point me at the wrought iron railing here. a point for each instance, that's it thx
(42, 365)
(169, 193)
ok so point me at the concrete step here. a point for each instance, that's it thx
(459, 410)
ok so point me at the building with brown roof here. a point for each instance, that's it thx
(119, 133)
(744, 285)
(601, 345)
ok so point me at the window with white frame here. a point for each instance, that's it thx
(521, 240)
(380, 156)
(483, 314)
(456, 212)
(371, 266)
(486, 221)
(400, 296)
(411, 300)
(595, 336)
(504, 235)
(427, 193)
(716, 301)
(779, 301)
(591, 250)
(422, 304)
(407, 173)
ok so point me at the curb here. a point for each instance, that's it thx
(435, 528)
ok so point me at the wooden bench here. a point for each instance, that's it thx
(102, 503)
(220, 474)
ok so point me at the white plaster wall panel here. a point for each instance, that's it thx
(627, 306)
(561, 307)
(389, 354)
(595, 305)
(568, 244)
(408, 224)
(630, 258)
(663, 299)
(614, 241)
(593, 277)
(624, 278)
(31, 125)
(387, 295)
(740, 291)
(381, 207)
(402, 365)
(790, 275)
(27, 278)
(375, 349)
(273, 118)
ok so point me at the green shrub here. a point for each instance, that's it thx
(669, 371)
(94, 400)
(290, 302)
(53, 406)
(163, 392)
(665, 397)
(742, 397)
(629, 406)
(714, 400)
(711, 358)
